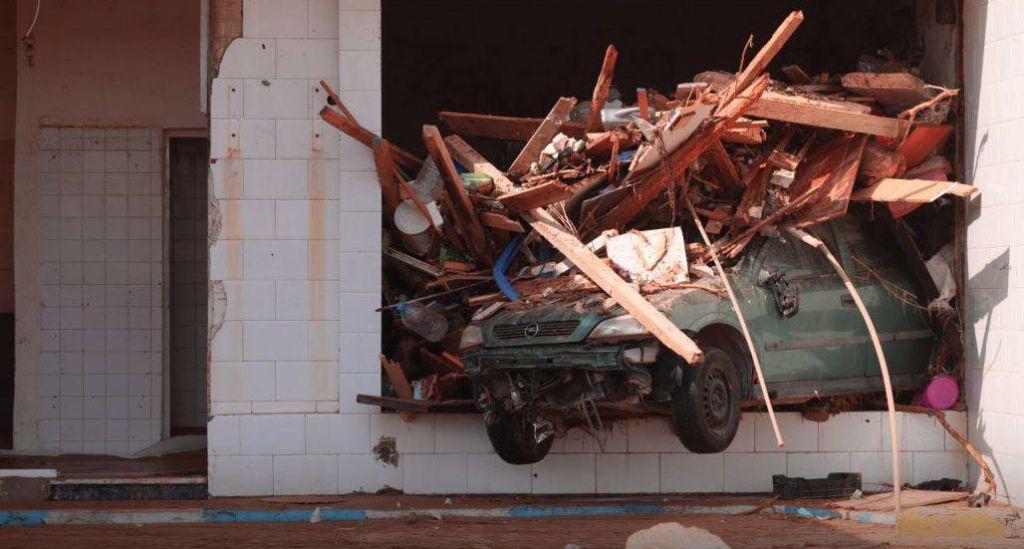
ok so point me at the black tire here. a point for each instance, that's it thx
(706, 407)
(512, 439)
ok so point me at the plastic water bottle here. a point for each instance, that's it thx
(430, 324)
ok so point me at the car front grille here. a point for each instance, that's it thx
(533, 330)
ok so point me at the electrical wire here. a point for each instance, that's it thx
(34, 19)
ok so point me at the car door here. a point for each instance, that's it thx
(890, 294)
(824, 339)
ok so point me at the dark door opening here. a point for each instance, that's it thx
(8, 99)
(188, 280)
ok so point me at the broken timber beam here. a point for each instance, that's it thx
(718, 157)
(500, 222)
(675, 165)
(604, 83)
(368, 138)
(536, 196)
(822, 114)
(464, 211)
(540, 138)
(919, 191)
(502, 127)
(586, 260)
(764, 56)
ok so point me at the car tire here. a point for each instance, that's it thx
(706, 406)
(512, 439)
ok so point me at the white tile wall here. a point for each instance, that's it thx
(994, 116)
(433, 458)
(101, 276)
(275, 184)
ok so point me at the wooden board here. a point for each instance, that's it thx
(899, 90)
(764, 56)
(822, 114)
(919, 191)
(718, 157)
(498, 221)
(465, 212)
(588, 262)
(536, 196)
(502, 127)
(540, 139)
(604, 83)
(908, 499)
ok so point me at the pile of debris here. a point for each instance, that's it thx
(723, 158)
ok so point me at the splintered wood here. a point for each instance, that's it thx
(668, 190)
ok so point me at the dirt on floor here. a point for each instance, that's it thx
(761, 531)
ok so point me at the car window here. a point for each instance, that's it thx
(817, 259)
(867, 243)
(789, 255)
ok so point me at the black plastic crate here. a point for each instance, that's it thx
(836, 485)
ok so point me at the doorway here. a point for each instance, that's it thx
(188, 284)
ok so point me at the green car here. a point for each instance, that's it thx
(542, 369)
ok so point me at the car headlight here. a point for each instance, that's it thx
(620, 326)
(472, 337)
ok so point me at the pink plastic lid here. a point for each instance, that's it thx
(942, 392)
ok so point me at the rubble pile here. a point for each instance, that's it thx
(610, 202)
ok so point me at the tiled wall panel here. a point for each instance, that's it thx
(101, 277)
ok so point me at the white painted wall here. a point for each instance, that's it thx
(994, 74)
(280, 429)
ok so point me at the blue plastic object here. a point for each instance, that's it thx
(504, 260)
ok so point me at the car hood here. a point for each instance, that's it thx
(572, 321)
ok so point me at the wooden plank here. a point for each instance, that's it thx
(417, 406)
(368, 138)
(502, 127)
(386, 177)
(796, 74)
(920, 191)
(821, 114)
(398, 381)
(900, 90)
(764, 56)
(536, 196)
(588, 262)
(498, 221)
(677, 162)
(465, 212)
(540, 139)
(719, 158)
(604, 83)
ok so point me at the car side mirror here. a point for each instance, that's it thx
(787, 297)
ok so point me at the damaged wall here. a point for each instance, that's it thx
(112, 75)
(994, 120)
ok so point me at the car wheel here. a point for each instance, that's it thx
(706, 407)
(513, 440)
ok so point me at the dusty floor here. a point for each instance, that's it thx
(743, 531)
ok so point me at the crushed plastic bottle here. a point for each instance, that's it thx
(430, 324)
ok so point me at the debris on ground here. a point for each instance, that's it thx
(672, 535)
(599, 199)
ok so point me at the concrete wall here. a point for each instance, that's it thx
(283, 390)
(114, 68)
(994, 73)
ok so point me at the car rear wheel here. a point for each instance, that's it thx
(706, 407)
(512, 437)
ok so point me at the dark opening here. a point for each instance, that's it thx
(515, 58)
(8, 98)
(188, 279)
